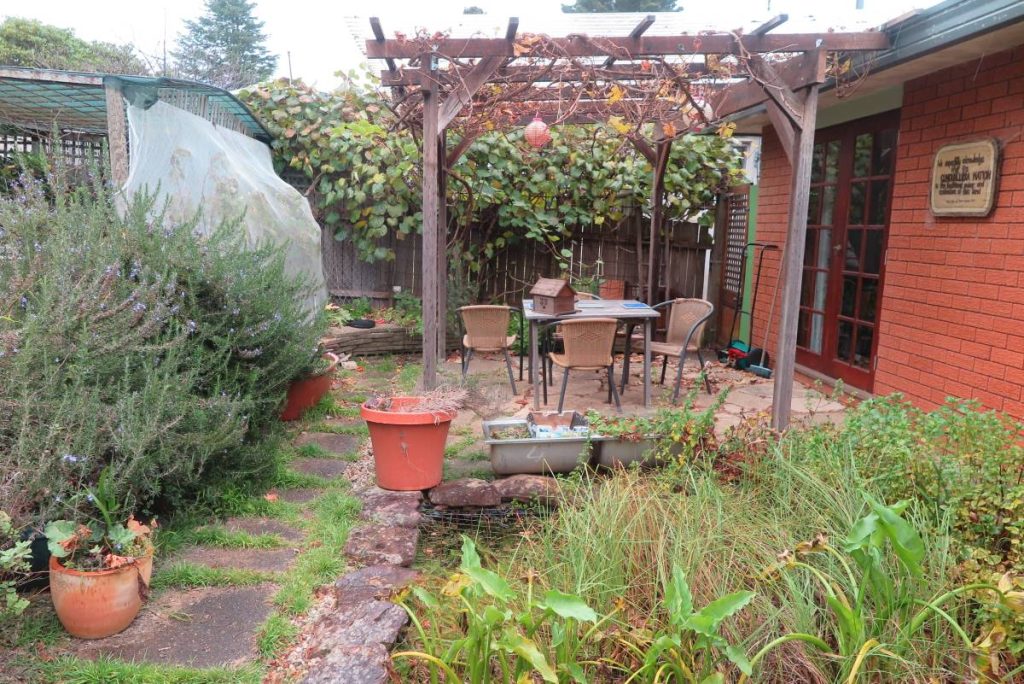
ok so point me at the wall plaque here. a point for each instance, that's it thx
(964, 178)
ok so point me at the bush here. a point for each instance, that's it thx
(128, 341)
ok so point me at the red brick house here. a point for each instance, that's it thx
(896, 298)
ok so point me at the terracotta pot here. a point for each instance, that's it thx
(96, 604)
(408, 448)
(306, 393)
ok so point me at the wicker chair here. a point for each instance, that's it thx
(686, 321)
(553, 342)
(487, 331)
(588, 346)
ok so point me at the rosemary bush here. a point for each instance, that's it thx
(130, 342)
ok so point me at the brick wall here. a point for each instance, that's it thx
(952, 316)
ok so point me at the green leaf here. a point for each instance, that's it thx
(905, 540)
(569, 606)
(739, 658)
(707, 620)
(56, 532)
(470, 558)
(678, 599)
(528, 651)
(426, 598)
(491, 583)
(716, 678)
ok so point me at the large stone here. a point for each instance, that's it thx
(528, 488)
(209, 627)
(373, 582)
(327, 468)
(334, 442)
(381, 545)
(465, 492)
(391, 508)
(351, 665)
(298, 496)
(357, 624)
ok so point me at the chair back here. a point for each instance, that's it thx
(688, 315)
(486, 326)
(588, 341)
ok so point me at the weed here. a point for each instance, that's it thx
(185, 575)
(70, 670)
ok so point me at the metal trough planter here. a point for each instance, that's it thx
(541, 455)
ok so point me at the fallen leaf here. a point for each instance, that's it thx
(271, 496)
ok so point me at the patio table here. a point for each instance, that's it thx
(628, 310)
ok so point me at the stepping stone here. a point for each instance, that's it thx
(208, 627)
(263, 525)
(380, 545)
(327, 468)
(361, 623)
(330, 441)
(465, 492)
(373, 582)
(527, 488)
(298, 496)
(260, 560)
(391, 508)
(352, 665)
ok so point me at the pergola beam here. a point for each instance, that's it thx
(626, 47)
(463, 94)
(535, 74)
(378, 35)
(770, 25)
(796, 73)
(637, 31)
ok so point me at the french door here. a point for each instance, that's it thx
(844, 259)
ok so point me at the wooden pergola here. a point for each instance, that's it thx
(438, 81)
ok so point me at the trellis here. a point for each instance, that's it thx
(631, 82)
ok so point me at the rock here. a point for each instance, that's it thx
(263, 525)
(349, 365)
(381, 545)
(372, 582)
(391, 508)
(301, 495)
(465, 492)
(259, 560)
(528, 488)
(327, 468)
(352, 665)
(358, 624)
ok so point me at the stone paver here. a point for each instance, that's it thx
(382, 545)
(373, 582)
(209, 627)
(527, 488)
(327, 468)
(260, 560)
(351, 665)
(391, 508)
(263, 525)
(330, 441)
(465, 492)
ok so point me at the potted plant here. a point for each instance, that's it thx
(626, 439)
(304, 394)
(408, 436)
(100, 570)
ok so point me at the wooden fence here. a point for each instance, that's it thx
(616, 255)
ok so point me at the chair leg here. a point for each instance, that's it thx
(561, 397)
(679, 375)
(465, 361)
(511, 375)
(611, 388)
(664, 367)
(462, 362)
(707, 380)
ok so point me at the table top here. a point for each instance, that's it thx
(595, 308)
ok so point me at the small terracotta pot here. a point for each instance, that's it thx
(304, 394)
(408, 448)
(96, 604)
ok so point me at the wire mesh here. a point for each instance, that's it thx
(490, 528)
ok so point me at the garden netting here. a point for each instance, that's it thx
(194, 166)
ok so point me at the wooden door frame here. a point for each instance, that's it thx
(827, 363)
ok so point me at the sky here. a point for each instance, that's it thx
(314, 34)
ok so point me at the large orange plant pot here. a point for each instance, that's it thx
(306, 393)
(408, 448)
(97, 604)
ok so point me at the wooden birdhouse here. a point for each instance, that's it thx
(553, 297)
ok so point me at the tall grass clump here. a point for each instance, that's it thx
(128, 341)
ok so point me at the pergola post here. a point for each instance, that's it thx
(657, 216)
(117, 135)
(431, 228)
(442, 246)
(800, 155)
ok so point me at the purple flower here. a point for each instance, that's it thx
(139, 307)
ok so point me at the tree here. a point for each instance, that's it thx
(225, 46)
(622, 6)
(31, 43)
(472, 10)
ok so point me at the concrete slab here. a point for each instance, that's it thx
(209, 627)
(327, 468)
(260, 560)
(334, 442)
(299, 496)
(263, 525)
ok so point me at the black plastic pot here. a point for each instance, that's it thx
(39, 560)
(362, 323)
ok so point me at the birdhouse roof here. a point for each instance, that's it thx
(551, 287)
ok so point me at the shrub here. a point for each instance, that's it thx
(128, 341)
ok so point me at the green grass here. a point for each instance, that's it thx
(453, 450)
(349, 411)
(183, 575)
(408, 375)
(326, 407)
(359, 430)
(275, 635)
(173, 539)
(482, 473)
(384, 365)
(478, 455)
(70, 670)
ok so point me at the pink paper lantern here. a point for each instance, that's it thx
(537, 132)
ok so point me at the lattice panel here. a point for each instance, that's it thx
(735, 241)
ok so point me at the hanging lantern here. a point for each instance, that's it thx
(537, 133)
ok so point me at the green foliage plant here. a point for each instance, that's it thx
(33, 44)
(14, 555)
(226, 46)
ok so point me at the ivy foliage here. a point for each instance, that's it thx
(365, 171)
